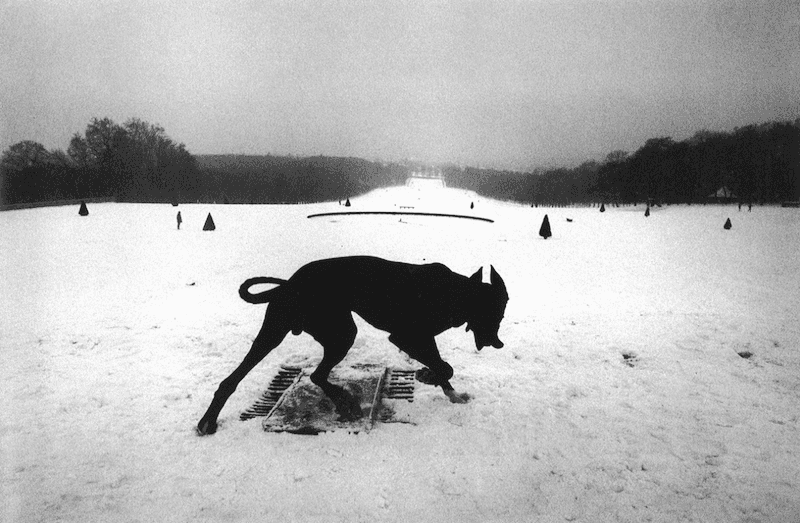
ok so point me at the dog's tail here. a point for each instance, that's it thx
(261, 297)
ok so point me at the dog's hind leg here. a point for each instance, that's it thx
(272, 333)
(336, 333)
(438, 371)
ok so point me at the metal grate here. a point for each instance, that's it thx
(269, 401)
(399, 384)
(292, 404)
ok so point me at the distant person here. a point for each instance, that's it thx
(180, 220)
(749, 207)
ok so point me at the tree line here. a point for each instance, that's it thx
(289, 179)
(135, 161)
(138, 162)
(559, 186)
(757, 163)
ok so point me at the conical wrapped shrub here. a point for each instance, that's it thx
(83, 211)
(647, 212)
(544, 230)
(727, 225)
(209, 225)
(602, 207)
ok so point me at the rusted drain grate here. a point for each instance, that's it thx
(268, 401)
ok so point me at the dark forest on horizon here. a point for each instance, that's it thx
(139, 162)
(755, 163)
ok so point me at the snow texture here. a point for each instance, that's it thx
(620, 395)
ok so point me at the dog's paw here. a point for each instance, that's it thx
(455, 397)
(206, 428)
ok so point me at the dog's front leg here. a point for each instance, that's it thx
(454, 396)
(438, 371)
(427, 376)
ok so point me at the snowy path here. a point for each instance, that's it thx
(116, 329)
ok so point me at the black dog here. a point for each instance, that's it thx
(413, 303)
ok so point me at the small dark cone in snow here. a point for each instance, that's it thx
(647, 212)
(544, 230)
(727, 224)
(471, 205)
(602, 207)
(347, 203)
(83, 211)
(209, 225)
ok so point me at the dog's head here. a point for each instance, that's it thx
(489, 310)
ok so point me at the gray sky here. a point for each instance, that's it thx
(506, 84)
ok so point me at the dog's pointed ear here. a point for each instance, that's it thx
(478, 276)
(498, 283)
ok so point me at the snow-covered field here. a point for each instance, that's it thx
(117, 328)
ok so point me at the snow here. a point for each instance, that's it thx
(117, 328)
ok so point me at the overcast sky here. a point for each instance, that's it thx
(506, 84)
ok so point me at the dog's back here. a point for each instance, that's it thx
(389, 295)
